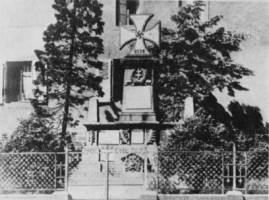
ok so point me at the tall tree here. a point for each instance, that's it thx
(72, 46)
(196, 60)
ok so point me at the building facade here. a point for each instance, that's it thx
(102, 121)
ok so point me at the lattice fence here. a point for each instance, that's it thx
(257, 176)
(165, 172)
(213, 172)
(31, 171)
(190, 172)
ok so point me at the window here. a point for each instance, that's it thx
(18, 81)
(19, 77)
(124, 8)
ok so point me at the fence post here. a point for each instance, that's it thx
(234, 167)
(158, 171)
(66, 169)
(145, 168)
(223, 179)
(55, 170)
(246, 172)
(106, 175)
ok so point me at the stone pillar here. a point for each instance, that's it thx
(188, 108)
(92, 110)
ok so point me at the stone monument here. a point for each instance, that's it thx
(138, 102)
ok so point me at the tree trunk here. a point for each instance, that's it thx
(68, 84)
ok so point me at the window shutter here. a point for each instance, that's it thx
(27, 85)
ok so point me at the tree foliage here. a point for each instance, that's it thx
(70, 56)
(212, 128)
(35, 134)
(199, 133)
(196, 60)
(248, 127)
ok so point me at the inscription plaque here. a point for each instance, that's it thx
(138, 98)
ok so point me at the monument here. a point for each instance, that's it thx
(138, 102)
(134, 121)
(121, 145)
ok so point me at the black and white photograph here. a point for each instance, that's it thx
(134, 99)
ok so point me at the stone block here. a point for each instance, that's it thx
(149, 195)
(61, 195)
(234, 195)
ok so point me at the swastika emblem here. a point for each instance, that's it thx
(140, 35)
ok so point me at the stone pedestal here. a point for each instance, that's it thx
(234, 195)
(137, 116)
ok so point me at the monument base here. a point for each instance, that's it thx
(138, 117)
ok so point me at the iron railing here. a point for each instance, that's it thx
(32, 171)
(213, 172)
(164, 172)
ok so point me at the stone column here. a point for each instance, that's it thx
(188, 108)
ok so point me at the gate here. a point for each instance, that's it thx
(111, 170)
(246, 172)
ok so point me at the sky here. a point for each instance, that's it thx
(22, 23)
(251, 18)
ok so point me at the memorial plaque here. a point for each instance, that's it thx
(137, 136)
(109, 137)
(138, 98)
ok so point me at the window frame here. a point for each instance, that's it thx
(120, 3)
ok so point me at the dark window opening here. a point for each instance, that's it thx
(125, 8)
(18, 81)
(117, 80)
